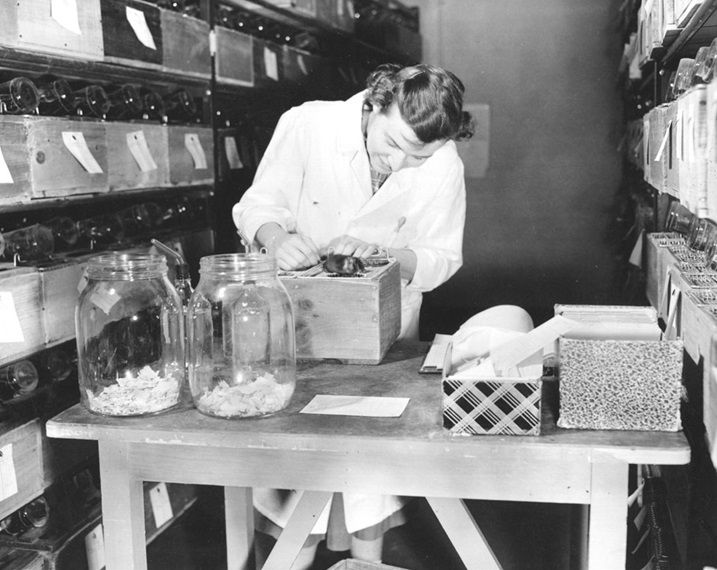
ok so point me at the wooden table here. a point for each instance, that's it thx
(411, 455)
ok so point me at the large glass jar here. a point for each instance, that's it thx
(242, 353)
(130, 336)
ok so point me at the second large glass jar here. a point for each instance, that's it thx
(242, 352)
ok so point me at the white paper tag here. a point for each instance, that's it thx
(161, 507)
(105, 298)
(663, 144)
(271, 65)
(232, 152)
(77, 145)
(137, 144)
(95, 548)
(65, 13)
(8, 480)
(340, 8)
(636, 255)
(5, 176)
(194, 146)
(138, 21)
(368, 406)
(302, 64)
(10, 331)
(82, 283)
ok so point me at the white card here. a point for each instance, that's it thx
(65, 13)
(271, 65)
(232, 152)
(161, 507)
(137, 144)
(95, 548)
(105, 298)
(370, 406)
(75, 142)
(194, 146)
(302, 64)
(10, 331)
(138, 21)
(5, 176)
(8, 480)
(663, 144)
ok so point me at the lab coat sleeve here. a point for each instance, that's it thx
(439, 249)
(276, 190)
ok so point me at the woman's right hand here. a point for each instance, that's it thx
(294, 251)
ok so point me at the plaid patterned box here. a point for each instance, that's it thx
(490, 406)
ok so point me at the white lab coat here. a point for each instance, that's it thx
(314, 178)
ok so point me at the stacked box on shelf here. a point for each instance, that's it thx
(51, 157)
(137, 154)
(21, 307)
(68, 29)
(234, 59)
(306, 70)
(656, 148)
(692, 145)
(268, 70)
(712, 150)
(132, 34)
(59, 288)
(185, 44)
(669, 156)
(338, 14)
(22, 464)
(191, 155)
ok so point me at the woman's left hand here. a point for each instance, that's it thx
(348, 245)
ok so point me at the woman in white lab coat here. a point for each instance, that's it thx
(378, 172)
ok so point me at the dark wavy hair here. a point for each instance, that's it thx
(429, 98)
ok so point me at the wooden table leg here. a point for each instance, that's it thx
(239, 514)
(122, 509)
(464, 533)
(297, 529)
(607, 539)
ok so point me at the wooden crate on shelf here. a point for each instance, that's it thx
(132, 33)
(58, 292)
(22, 463)
(268, 70)
(191, 155)
(234, 60)
(185, 44)
(31, 25)
(137, 156)
(51, 157)
(20, 307)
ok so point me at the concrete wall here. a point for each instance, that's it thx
(537, 223)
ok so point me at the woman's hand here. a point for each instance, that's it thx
(348, 245)
(294, 251)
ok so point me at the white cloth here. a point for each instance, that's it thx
(314, 178)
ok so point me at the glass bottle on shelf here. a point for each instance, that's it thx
(56, 97)
(702, 232)
(102, 230)
(35, 514)
(130, 335)
(92, 101)
(64, 230)
(242, 356)
(679, 219)
(683, 78)
(19, 96)
(18, 379)
(154, 108)
(180, 106)
(54, 364)
(30, 243)
(125, 103)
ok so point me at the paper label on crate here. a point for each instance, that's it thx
(8, 480)
(302, 64)
(194, 146)
(75, 142)
(82, 283)
(11, 330)
(232, 152)
(65, 13)
(636, 254)
(5, 176)
(161, 506)
(369, 406)
(138, 21)
(271, 65)
(663, 144)
(95, 548)
(340, 8)
(137, 144)
(672, 323)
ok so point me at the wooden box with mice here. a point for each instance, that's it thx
(351, 319)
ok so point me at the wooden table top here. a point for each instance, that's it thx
(419, 426)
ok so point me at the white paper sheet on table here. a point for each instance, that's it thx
(369, 406)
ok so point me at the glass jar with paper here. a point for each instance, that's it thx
(130, 332)
(242, 353)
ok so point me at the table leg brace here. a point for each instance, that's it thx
(607, 539)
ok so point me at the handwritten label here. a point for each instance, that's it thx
(138, 21)
(232, 152)
(75, 142)
(95, 548)
(663, 144)
(302, 64)
(105, 298)
(194, 146)
(10, 331)
(8, 479)
(271, 64)
(161, 507)
(5, 176)
(137, 144)
(65, 13)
